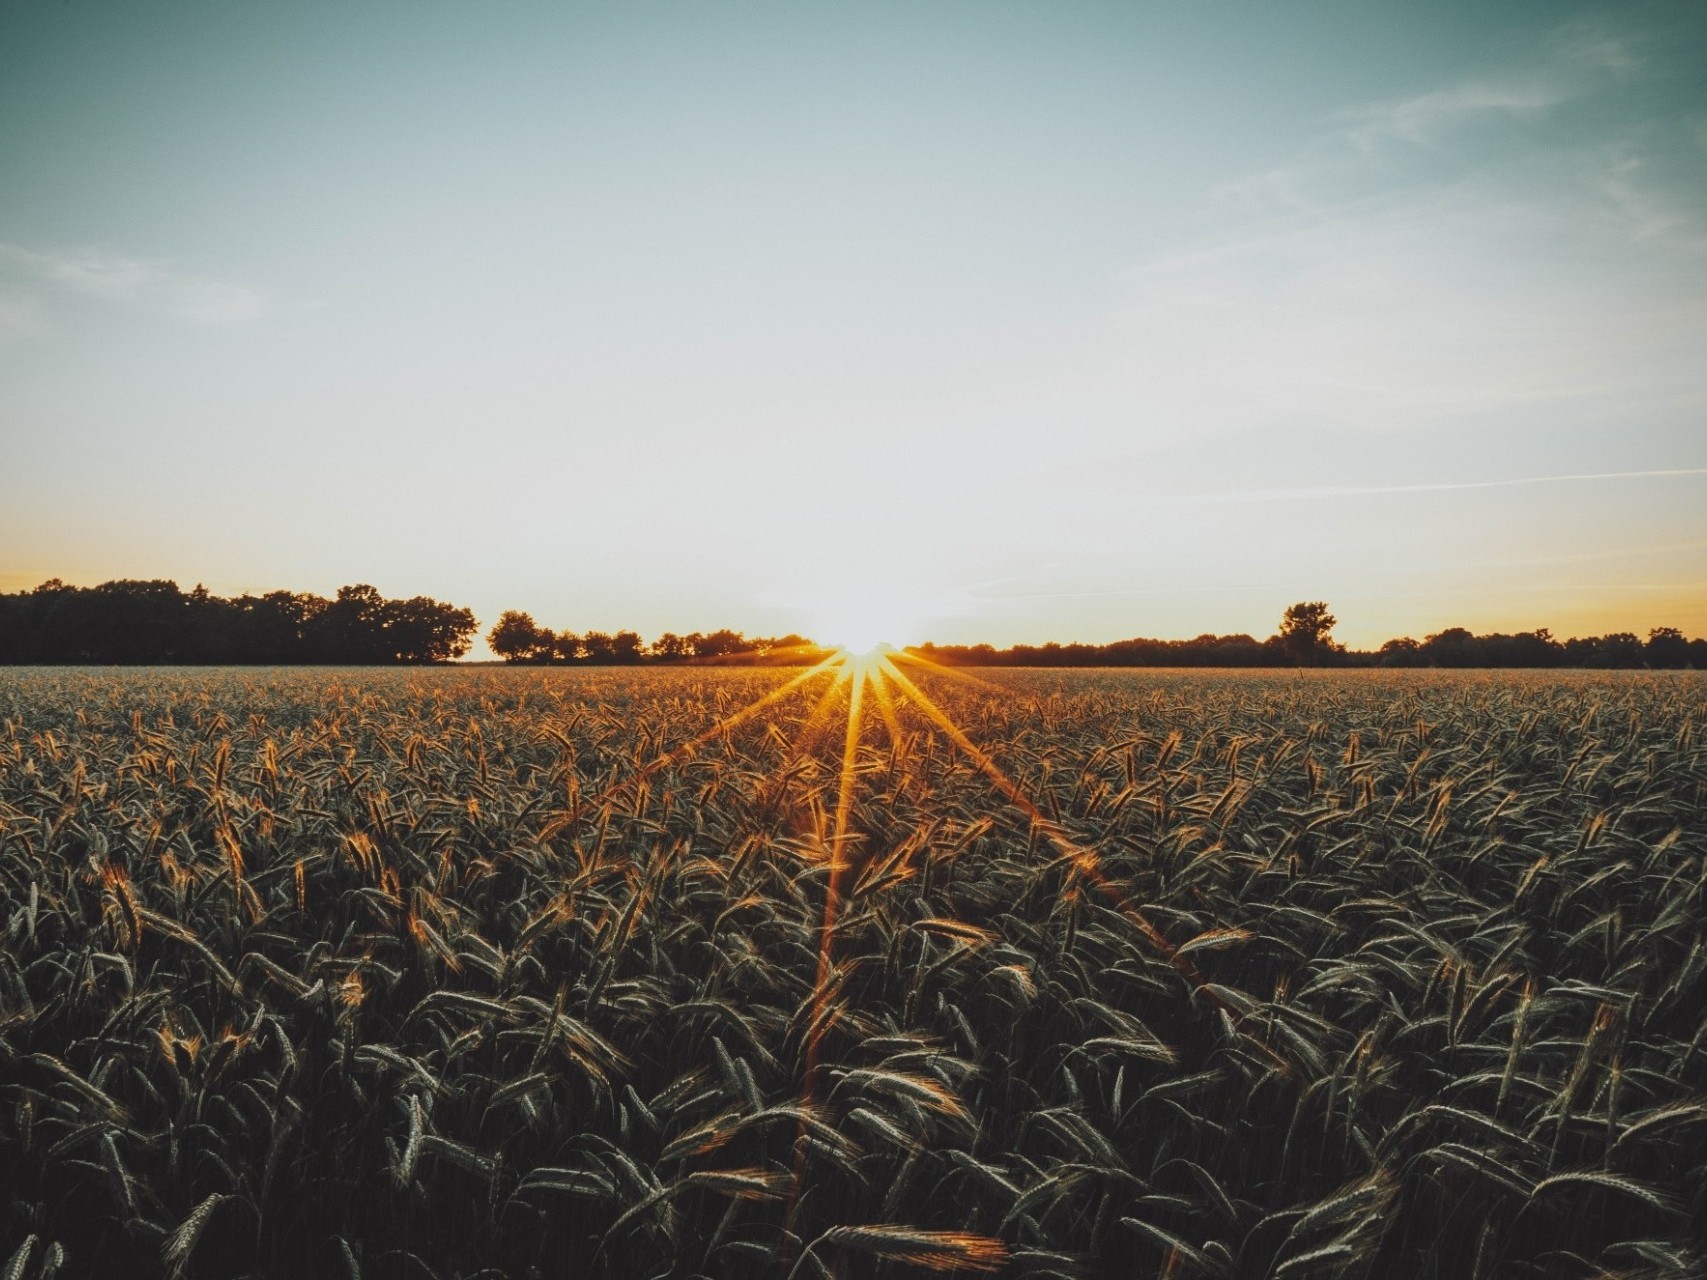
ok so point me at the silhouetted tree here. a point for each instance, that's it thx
(135, 621)
(421, 629)
(14, 628)
(1529, 649)
(154, 621)
(1620, 650)
(274, 628)
(1402, 652)
(1454, 647)
(515, 637)
(124, 622)
(210, 628)
(1304, 637)
(1667, 647)
(720, 644)
(596, 648)
(351, 629)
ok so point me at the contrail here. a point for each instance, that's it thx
(1349, 491)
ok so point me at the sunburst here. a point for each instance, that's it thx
(851, 674)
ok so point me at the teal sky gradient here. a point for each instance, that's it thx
(1009, 321)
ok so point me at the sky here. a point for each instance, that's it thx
(993, 321)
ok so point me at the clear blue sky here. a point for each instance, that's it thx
(995, 321)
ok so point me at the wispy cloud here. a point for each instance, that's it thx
(1614, 77)
(1438, 258)
(1592, 43)
(148, 285)
(1646, 210)
(1582, 57)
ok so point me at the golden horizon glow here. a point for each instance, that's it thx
(858, 635)
(863, 654)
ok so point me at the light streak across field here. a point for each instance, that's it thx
(889, 686)
(855, 673)
(723, 725)
(878, 669)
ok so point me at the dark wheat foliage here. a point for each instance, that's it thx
(531, 973)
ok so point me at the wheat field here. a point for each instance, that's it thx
(514, 973)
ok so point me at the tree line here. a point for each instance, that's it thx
(126, 622)
(1305, 640)
(138, 622)
(517, 638)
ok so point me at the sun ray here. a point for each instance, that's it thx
(857, 674)
(787, 655)
(953, 673)
(795, 652)
(812, 729)
(844, 807)
(807, 735)
(886, 707)
(723, 725)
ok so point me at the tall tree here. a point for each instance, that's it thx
(351, 629)
(517, 638)
(1304, 633)
(420, 629)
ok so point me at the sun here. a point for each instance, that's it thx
(864, 646)
(861, 631)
